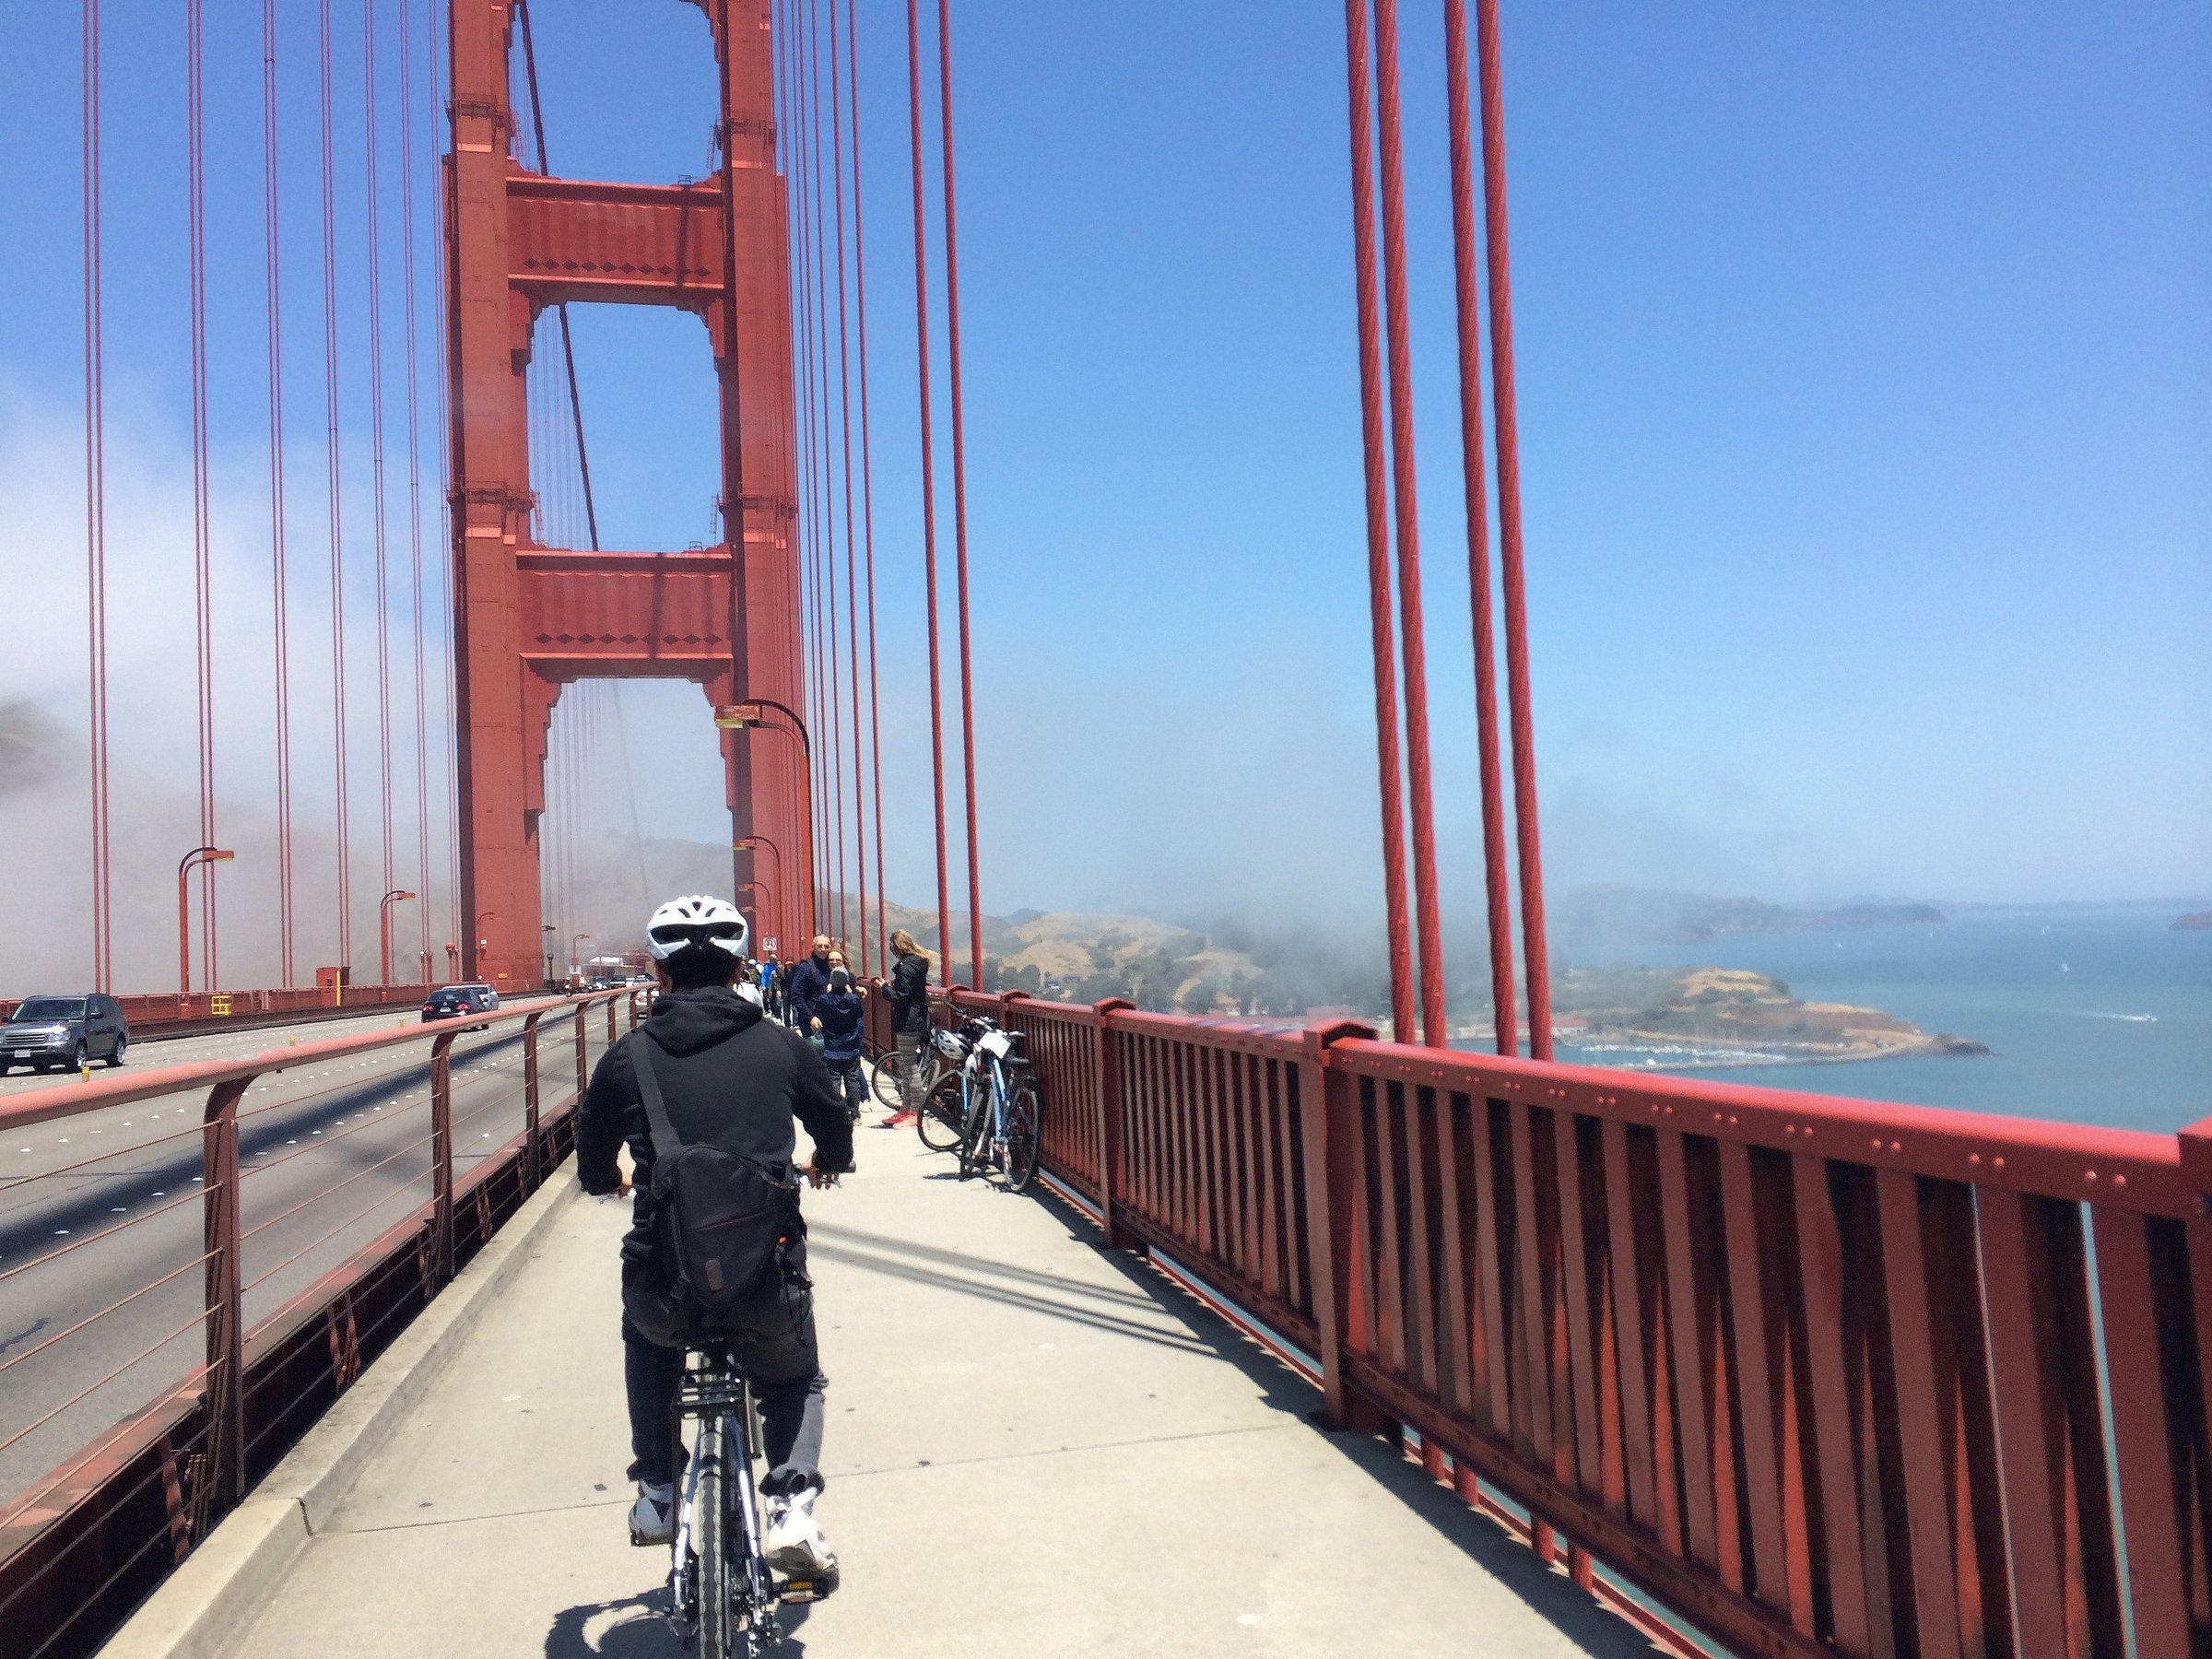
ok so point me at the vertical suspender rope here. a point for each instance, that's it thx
(826, 544)
(811, 539)
(929, 514)
(376, 463)
(1495, 884)
(837, 177)
(959, 486)
(422, 772)
(96, 515)
(1534, 951)
(337, 554)
(1397, 329)
(454, 920)
(282, 688)
(203, 569)
(867, 489)
(1389, 787)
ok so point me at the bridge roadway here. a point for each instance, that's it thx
(334, 1154)
(1035, 1448)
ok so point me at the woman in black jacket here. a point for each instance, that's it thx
(910, 1021)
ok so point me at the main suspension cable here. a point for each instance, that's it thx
(202, 540)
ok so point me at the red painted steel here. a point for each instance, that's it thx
(1814, 1376)
(1468, 307)
(279, 573)
(960, 491)
(342, 793)
(1397, 327)
(529, 620)
(83, 1545)
(1535, 956)
(1390, 784)
(929, 509)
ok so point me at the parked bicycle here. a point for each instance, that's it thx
(722, 1592)
(999, 1105)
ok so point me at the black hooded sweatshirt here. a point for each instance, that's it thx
(729, 1079)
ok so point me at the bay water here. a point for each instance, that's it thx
(2092, 1014)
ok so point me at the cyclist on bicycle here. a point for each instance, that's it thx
(733, 1079)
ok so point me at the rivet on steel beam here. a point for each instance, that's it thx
(2088, 1174)
(2119, 1181)
(1894, 1147)
(1997, 1163)
(1973, 1158)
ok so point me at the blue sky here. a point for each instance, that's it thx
(1866, 370)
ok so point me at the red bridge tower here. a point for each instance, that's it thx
(529, 619)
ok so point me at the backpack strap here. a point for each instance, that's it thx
(665, 1142)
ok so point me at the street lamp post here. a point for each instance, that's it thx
(738, 716)
(576, 954)
(185, 866)
(753, 843)
(383, 933)
(483, 939)
(552, 946)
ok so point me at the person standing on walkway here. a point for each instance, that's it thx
(806, 979)
(909, 1022)
(718, 1074)
(840, 1012)
(769, 994)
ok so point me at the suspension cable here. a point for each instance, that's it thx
(422, 774)
(284, 941)
(929, 516)
(202, 541)
(1533, 952)
(337, 554)
(826, 549)
(96, 514)
(1397, 331)
(959, 487)
(836, 175)
(1466, 301)
(450, 754)
(376, 473)
(868, 489)
(1389, 786)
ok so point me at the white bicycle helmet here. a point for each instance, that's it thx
(698, 921)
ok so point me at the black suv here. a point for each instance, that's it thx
(454, 1002)
(50, 1033)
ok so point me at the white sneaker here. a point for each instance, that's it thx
(796, 1544)
(653, 1517)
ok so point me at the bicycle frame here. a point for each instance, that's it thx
(717, 1388)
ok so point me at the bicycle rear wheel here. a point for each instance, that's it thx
(711, 1527)
(889, 1071)
(942, 1124)
(1022, 1116)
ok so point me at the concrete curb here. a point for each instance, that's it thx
(201, 1606)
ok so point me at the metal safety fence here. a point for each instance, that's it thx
(1812, 1375)
(196, 1260)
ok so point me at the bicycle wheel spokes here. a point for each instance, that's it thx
(942, 1122)
(1021, 1135)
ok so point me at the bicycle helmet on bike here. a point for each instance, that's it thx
(700, 921)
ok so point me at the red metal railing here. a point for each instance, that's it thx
(1814, 1376)
(84, 1543)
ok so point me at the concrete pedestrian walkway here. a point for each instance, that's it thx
(1035, 1448)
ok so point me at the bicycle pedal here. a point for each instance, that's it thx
(809, 1587)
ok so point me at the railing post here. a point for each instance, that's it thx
(531, 1154)
(610, 1023)
(221, 1241)
(633, 1010)
(1326, 1123)
(1108, 1077)
(582, 1077)
(442, 1154)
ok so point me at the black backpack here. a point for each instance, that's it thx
(718, 1219)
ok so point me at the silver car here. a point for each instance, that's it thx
(50, 1033)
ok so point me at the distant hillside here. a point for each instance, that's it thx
(1601, 921)
(2195, 921)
